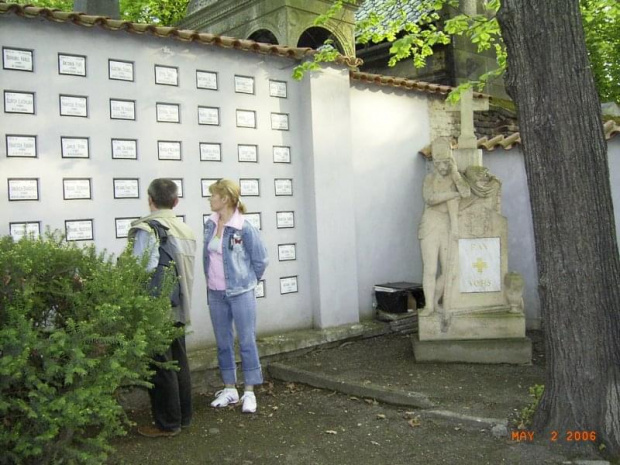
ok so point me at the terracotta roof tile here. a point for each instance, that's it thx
(409, 84)
(610, 128)
(105, 22)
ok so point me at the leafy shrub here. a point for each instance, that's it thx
(75, 326)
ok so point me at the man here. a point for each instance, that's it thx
(442, 192)
(171, 401)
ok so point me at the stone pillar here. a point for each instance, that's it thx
(98, 7)
(328, 162)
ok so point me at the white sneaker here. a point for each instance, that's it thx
(225, 397)
(249, 402)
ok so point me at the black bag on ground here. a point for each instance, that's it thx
(166, 261)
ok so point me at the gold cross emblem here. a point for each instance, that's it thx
(480, 265)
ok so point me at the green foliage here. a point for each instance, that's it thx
(417, 40)
(160, 12)
(326, 54)
(527, 414)
(601, 21)
(74, 328)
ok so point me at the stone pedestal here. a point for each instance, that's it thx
(516, 351)
(494, 323)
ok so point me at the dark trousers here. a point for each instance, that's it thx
(171, 394)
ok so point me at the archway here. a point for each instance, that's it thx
(265, 36)
(314, 37)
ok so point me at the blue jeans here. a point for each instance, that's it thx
(240, 309)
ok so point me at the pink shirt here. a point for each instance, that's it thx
(216, 280)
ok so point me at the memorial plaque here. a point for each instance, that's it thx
(480, 265)
(17, 59)
(253, 219)
(279, 121)
(74, 147)
(281, 154)
(119, 70)
(168, 150)
(179, 183)
(287, 252)
(73, 105)
(288, 285)
(277, 89)
(166, 75)
(181, 217)
(285, 220)
(128, 188)
(247, 153)
(73, 65)
(283, 187)
(206, 80)
(21, 146)
(244, 84)
(246, 119)
(23, 189)
(125, 149)
(122, 109)
(210, 151)
(168, 113)
(19, 102)
(205, 184)
(249, 187)
(122, 226)
(209, 116)
(259, 290)
(26, 229)
(79, 230)
(76, 189)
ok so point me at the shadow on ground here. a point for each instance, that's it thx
(299, 424)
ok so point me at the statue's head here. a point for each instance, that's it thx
(442, 156)
(476, 174)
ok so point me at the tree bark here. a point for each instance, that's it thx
(550, 80)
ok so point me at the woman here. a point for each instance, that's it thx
(234, 260)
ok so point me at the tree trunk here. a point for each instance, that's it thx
(576, 250)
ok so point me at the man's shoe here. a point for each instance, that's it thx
(249, 402)
(151, 431)
(225, 397)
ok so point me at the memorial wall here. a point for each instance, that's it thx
(90, 117)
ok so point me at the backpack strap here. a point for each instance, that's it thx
(166, 260)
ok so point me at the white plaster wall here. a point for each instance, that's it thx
(509, 167)
(276, 313)
(389, 127)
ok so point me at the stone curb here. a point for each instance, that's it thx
(482, 422)
(283, 372)
(388, 396)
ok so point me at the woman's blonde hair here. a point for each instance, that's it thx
(230, 189)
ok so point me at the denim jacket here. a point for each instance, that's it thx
(243, 252)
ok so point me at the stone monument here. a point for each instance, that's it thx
(474, 306)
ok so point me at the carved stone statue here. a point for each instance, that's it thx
(485, 188)
(442, 191)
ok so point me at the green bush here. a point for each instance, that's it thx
(75, 326)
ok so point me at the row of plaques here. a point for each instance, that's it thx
(25, 146)
(23, 189)
(123, 109)
(82, 230)
(19, 59)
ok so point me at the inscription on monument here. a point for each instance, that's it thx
(480, 261)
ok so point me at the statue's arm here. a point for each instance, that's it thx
(462, 186)
(432, 197)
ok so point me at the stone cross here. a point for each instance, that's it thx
(467, 152)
